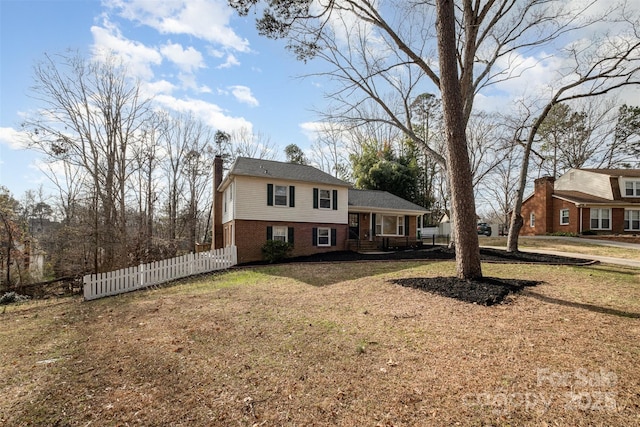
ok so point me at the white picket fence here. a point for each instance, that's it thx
(132, 278)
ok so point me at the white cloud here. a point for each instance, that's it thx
(14, 139)
(187, 60)
(138, 57)
(230, 62)
(243, 94)
(150, 89)
(210, 114)
(205, 19)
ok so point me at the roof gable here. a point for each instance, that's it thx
(245, 166)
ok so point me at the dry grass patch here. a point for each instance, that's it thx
(585, 246)
(264, 347)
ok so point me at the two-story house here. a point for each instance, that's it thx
(260, 200)
(603, 201)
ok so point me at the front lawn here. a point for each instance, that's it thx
(329, 344)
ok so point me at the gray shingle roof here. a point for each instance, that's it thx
(245, 166)
(374, 199)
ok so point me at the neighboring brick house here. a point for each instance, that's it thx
(603, 201)
(260, 200)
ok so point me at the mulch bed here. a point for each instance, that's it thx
(485, 291)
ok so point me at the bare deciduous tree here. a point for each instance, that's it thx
(89, 118)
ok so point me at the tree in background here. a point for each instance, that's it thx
(11, 235)
(384, 170)
(90, 117)
(627, 132)
(563, 133)
(295, 154)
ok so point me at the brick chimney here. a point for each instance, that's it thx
(217, 232)
(543, 188)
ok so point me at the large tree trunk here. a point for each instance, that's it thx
(462, 199)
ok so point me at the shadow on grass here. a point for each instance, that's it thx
(316, 274)
(583, 306)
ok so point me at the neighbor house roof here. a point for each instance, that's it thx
(380, 200)
(581, 198)
(244, 166)
(631, 173)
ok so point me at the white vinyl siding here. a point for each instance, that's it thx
(250, 200)
(593, 183)
(228, 205)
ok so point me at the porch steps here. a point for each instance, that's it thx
(364, 246)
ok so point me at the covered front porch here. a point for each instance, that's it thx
(378, 231)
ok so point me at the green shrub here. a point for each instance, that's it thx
(589, 233)
(276, 250)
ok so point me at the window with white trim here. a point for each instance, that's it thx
(389, 225)
(280, 195)
(632, 189)
(632, 219)
(564, 216)
(279, 233)
(600, 219)
(324, 236)
(324, 199)
(532, 220)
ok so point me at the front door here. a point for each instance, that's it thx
(354, 226)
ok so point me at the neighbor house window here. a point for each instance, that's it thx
(632, 220)
(632, 189)
(564, 216)
(532, 220)
(324, 237)
(600, 219)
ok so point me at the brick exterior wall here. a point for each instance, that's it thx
(252, 235)
(541, 205)
(547, 213)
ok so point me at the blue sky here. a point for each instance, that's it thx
(214, 62)
(200, 58)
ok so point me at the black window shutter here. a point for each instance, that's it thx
(315, 198)
(406, 225)
(373, 225)
(334, 237)
(290, 235)
(269, 194)
(269, 232)
(315, 237)
(292, 196)
(335, 200)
